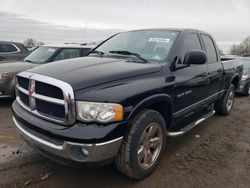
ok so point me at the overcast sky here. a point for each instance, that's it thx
(227, 20)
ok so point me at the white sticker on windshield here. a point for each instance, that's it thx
(51, 50)
(164, 40)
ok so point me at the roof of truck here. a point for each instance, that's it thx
(172, 29)
(71, 45)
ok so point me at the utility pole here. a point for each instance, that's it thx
(84, 31)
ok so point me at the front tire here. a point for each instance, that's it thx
(247, 88)
(143, 145)
(224, 106)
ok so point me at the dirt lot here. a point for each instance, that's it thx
(215, 154)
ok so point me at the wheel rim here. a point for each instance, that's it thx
(150, 145)
(230, 101)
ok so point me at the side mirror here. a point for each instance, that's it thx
(195, 57)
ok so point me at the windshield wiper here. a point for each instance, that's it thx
(138, 56)
(29, 61)
(97, 52)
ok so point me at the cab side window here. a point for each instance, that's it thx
(190, 43)
(210, 49)
(67, 54)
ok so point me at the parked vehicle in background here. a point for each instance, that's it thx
(12, 51)
(244, 87)
(121, 101)
(40, 56)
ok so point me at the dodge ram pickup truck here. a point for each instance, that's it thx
(121, 101)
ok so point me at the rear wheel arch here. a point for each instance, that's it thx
(235, 81)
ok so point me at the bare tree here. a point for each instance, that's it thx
(243, 49)
(234, 49)
(246, 47)
(29, 43)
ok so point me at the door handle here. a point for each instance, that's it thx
(204, 74)
(219, 70)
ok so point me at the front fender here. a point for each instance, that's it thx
(149, 101)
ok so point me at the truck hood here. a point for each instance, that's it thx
(86, 72)
(14, 67)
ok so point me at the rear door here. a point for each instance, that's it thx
(215, 68)
(191, 81)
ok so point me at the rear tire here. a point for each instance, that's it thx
(224, 106)
(143, 145)
(246, 91)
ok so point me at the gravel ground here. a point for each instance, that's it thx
(215, 154)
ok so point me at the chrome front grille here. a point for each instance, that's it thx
(46, 97)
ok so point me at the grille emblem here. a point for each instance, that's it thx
(32, 101)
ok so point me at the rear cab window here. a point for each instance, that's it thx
(210, 49)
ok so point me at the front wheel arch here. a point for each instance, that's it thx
(161, 103)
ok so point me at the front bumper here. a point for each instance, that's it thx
(6, 89)
(60, 148)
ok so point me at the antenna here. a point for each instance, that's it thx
(84, 31)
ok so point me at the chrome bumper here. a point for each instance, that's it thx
(78, 152)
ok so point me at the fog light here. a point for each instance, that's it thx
(85, 152)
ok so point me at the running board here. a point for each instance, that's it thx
(191, 125)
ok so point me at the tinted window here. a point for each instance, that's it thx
(1, 49)
(151, 45)
(210, 49)
(68, 53)
(191, 43)
(8, 48)
(85, 50)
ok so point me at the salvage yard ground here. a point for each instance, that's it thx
(215, 154)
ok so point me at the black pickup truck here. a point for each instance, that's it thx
(121, 101)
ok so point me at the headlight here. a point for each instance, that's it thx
(4, 75)
(99, 112)
(244, 77)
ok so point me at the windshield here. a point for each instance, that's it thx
(149, 45)
(41, 55)
(246, 63)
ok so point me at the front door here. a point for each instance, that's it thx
(191, 81)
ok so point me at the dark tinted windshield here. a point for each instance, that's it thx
(246, 63)
(41, 54)
(150, 45)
